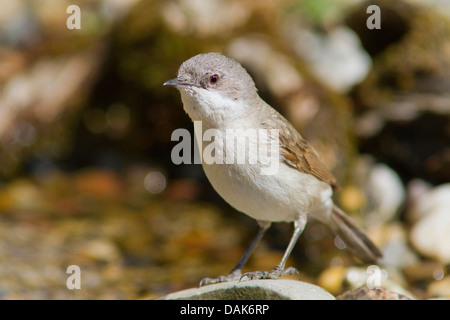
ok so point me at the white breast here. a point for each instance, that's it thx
(277, 197)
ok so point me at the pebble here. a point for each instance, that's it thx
(364, 293)
(21, 195)
(429, 235)
(427, 200)
(377, 277)
(386, 190)
(101, 250)
(337, 57)
(393, 239)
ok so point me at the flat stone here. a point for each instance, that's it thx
(254, 290)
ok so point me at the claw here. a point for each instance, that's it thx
(274, 274)
(291, 271)
(255, 275)
(233, 276)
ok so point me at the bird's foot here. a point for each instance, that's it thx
(233, 276)
(274, 274)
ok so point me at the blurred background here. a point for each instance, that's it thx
(86, 176)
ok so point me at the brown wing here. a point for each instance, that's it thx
(298, 154)
(306, 161)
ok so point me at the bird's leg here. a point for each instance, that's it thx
(279, 270)
(236, 274)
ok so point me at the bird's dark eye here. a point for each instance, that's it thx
(214, 78)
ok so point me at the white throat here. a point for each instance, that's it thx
(212, 108)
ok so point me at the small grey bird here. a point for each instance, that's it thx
(219, 92)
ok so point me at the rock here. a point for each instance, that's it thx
(364, 293)
(336, 57)
(21, 194)
(397, 253)
(375, 277)
(352, 198)
(430, 235)
(393, 238)
(376, 189)
(427, 201)
(415, 189)
(424, 271)
(216, 17)
(254, 290)
(440, 289)
(98, 250)
(386, 190)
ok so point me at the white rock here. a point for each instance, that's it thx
(429, 202)
(386, 190)
(337, 58)
(204, 18)
(430, 234)
(376, 277)
(254, 290)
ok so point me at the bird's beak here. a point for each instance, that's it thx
(177, 82)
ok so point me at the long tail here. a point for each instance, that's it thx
(354, 237)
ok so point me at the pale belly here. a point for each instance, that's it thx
(275, 198)
(280, 196)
